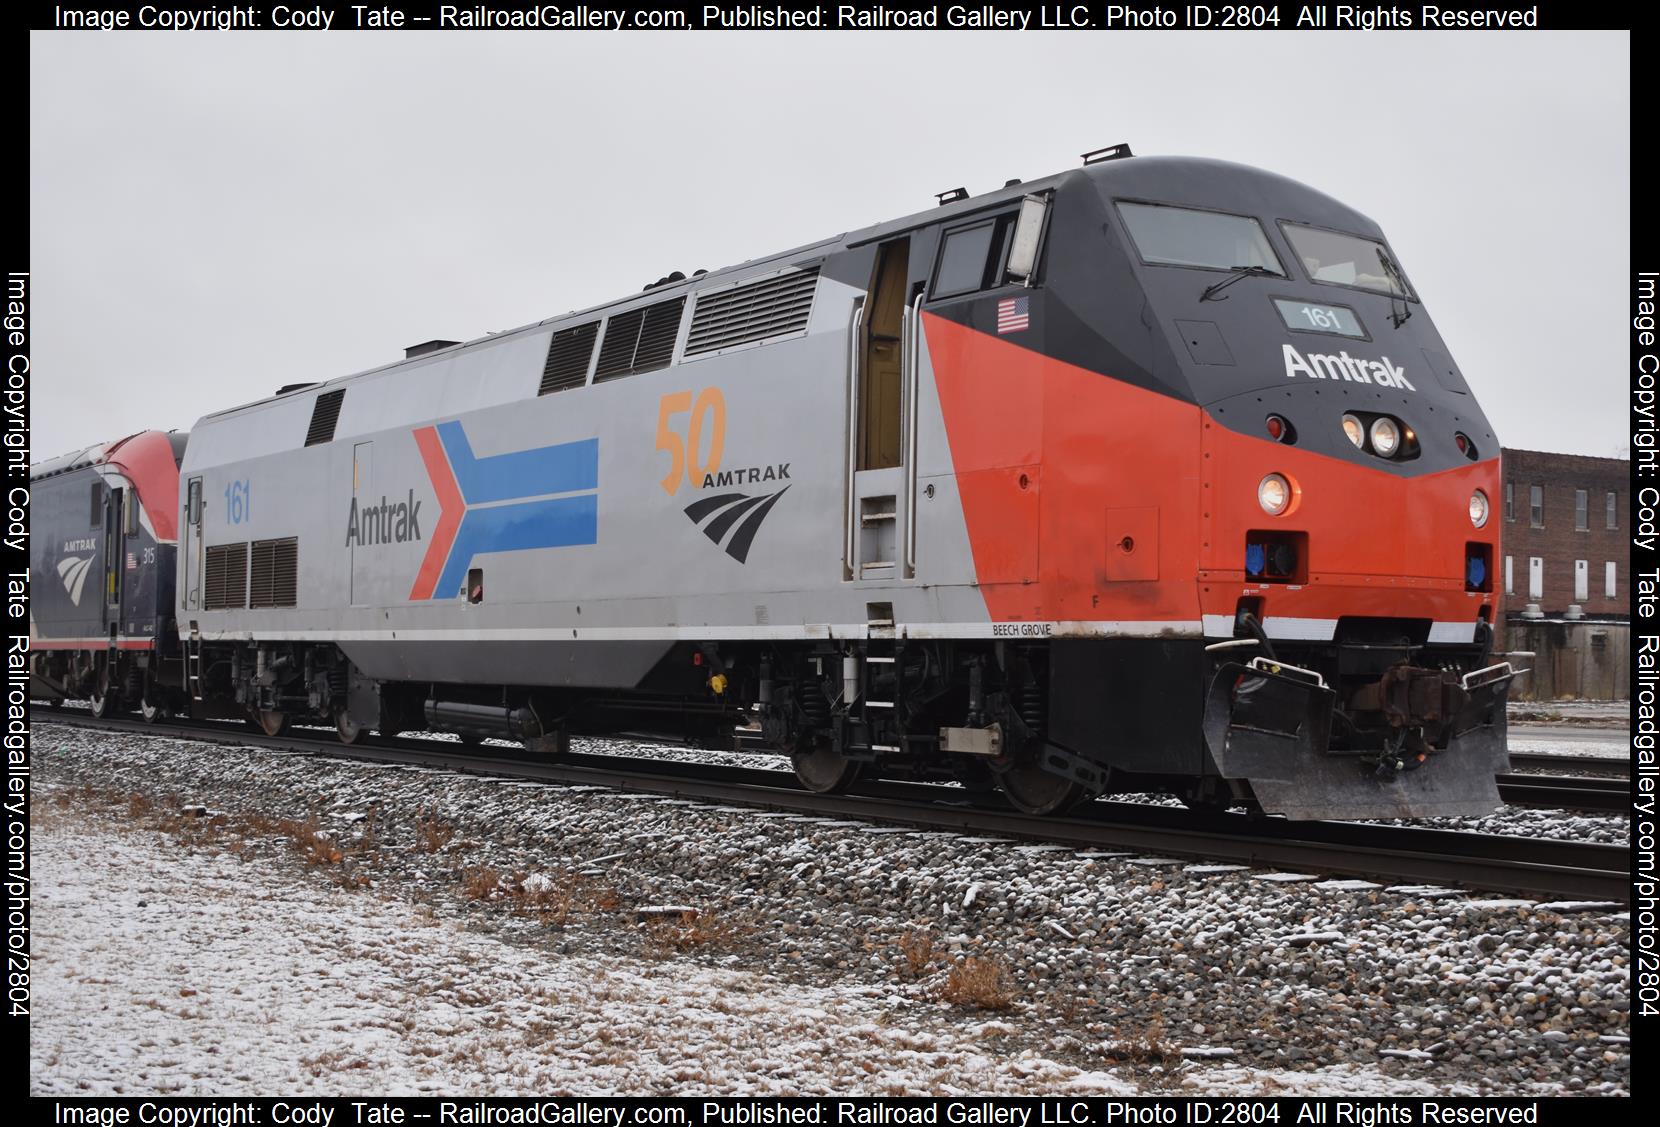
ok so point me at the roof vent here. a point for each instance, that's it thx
(951, 196)
(1111, 152)
(427, 346)
(288, 387)
(325, 413)
(640, 340)
(754, 311)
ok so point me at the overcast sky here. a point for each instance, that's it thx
(213, 215)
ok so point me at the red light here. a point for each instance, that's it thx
(1276, 427)
(697, 658)
(1463, 443)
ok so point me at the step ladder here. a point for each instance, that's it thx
(193, 667)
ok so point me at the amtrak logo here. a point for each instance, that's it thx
(544, 497)
(72, 570)
(734, 509)
(1342, 366)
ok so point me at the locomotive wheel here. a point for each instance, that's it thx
(148, 710)
(271, 723)
(824, 770)
(1032, 790)
(349, 731)
(106, 702)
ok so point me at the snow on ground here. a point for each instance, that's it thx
(1335, 983)
(193, 973)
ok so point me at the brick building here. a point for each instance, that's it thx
(1564, 536)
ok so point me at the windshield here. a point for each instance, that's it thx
(1180, 236)
(1346, 260)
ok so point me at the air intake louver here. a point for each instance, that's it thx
(641, 340)
(274, 578)
(324, 414)
(225, 577)
(568, 354)
(771, 307)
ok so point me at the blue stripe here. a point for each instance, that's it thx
(560, 522)
(565, 468)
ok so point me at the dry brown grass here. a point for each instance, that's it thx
(917, 947)
(432, 833)
(1145, 1046)
(676, 934)
(480, 882)
(980, 982)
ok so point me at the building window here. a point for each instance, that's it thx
(1582, 581)
(1536, 502)
(1535, 578)
(1582, 510)
(1608, 577)
(1509, 500)
(1612, 517)
(1509, 575)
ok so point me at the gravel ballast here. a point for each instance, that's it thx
(1174, 975)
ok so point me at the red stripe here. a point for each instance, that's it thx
(449, 512)
(91, 643)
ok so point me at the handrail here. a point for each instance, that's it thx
(850, 567)
(913, 378)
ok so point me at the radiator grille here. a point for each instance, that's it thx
(274, 576)
(568, 354)
(225, 577)
(641, 340)
(324, 414)
(754, 311)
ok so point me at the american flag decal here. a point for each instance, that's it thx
(1014, 314)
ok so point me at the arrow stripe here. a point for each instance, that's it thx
(568, 467)
(450, 508)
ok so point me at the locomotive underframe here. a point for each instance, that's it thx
(1375, 723)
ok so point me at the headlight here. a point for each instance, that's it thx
(1352, 428)
(1274, 494)
(1478, 508)
(1386, 437)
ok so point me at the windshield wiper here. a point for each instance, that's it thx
(1394, 272)
(1238, 273)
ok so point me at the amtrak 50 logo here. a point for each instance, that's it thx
(730, 520)
(1342, 366)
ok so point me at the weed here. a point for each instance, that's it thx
(917, 945)
(978, 981)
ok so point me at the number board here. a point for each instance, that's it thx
(1309, 317)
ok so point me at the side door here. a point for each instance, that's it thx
(363, 483)
(191, 549)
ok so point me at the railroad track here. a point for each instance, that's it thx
(1566, 792)
(1594, 765)
(1526, 866)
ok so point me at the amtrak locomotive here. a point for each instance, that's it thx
(1151, 474)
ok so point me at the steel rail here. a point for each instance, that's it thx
(1526, 866)
(1571, 764)
(1569, 792)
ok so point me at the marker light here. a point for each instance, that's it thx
(1276, 426)
(1478, 508)
(1352, 428)
(1386, 437)
(1274, 494)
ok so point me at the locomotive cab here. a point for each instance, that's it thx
(1345, 475)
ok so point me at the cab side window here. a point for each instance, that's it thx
(971, 257)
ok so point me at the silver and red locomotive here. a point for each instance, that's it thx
(1153, 473)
